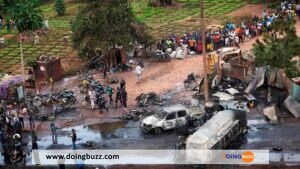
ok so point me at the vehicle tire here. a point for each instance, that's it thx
(196, 123)
(157, 130)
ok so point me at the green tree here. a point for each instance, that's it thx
(25, 14)
(278, 52)
(104, 24)
(60, 7)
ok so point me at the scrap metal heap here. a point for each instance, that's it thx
(148, 99)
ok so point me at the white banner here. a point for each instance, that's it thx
(112, 157)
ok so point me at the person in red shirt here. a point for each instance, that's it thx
(199, 46)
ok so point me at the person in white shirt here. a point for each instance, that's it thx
(138, 73)
(36, 39)
(2, 40)
(227, 41)
(237, 41)
(247, 34)
(92, 96)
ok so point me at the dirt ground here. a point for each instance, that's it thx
(249, 10)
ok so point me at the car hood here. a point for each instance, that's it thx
(150, 120)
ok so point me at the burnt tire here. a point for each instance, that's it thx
(157, 130)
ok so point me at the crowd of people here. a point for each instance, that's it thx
(230, 34)
(11, 130)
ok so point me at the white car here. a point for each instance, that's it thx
(171, 117)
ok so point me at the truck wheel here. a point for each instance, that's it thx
(157, 130)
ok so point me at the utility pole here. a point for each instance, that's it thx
(204, 52)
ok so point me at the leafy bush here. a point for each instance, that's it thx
(31, 62)
(60, 7)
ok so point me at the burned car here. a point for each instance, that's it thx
(171, 117)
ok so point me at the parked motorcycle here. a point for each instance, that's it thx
(67, 97)
(160, 57)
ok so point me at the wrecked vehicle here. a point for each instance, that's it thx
(217, 133)
(172, 117)
(151, 98)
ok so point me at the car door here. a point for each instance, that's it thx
(170, 121)
(181, 118)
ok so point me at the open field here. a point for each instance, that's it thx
(182, 16)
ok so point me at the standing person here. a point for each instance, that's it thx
(17, 127)
(118, 97)
(104, 72)
(237, 41)
(51, 83)
(53, 131)
(8, 121)
(247, 34)
(124, 98)
(3, 138)
(74, 138)
(2, 41)
(31, 121)
(23, 113)
(109, 91)
(34, 141)
(92, 96)
(36, 39)
(138, 73)
(31, 78)
(122, 84)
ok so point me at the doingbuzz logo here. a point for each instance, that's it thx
(246, 156)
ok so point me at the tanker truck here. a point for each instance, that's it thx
(217, 133)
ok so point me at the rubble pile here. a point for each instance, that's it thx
(137, 114)
(144, 100)
(229, 89)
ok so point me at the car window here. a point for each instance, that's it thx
(160, 114)
(171, 116)
(181, 113)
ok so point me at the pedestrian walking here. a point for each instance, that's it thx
(109, 91)
(53, 131)
(74, 138)
(138, 73)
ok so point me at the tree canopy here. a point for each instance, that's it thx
(278, 52)
(104, 24)
(24, 13)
